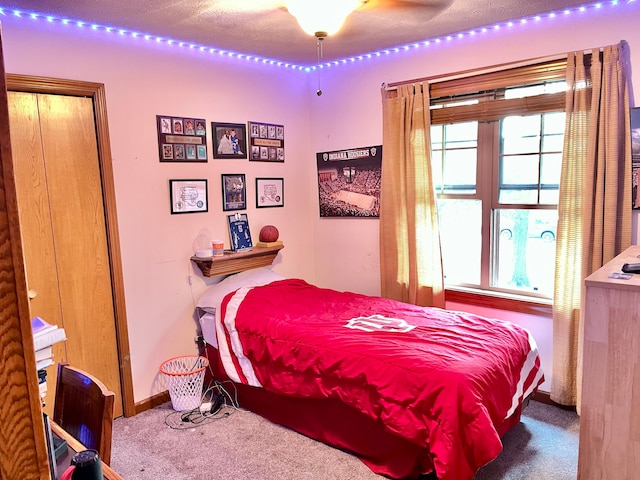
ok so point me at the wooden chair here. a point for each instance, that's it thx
(83, 407)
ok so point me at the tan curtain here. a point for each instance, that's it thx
(410, 258)
(594, 208)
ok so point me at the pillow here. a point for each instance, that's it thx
(214, 294)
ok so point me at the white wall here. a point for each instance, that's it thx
(144, 79)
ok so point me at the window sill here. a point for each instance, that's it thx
(501, 301)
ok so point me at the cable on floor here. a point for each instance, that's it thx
(219, 403)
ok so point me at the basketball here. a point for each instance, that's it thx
(269, 233)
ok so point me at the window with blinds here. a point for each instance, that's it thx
(496, 148)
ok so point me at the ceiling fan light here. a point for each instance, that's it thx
(322, 15)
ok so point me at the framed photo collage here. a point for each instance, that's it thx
(184, 140)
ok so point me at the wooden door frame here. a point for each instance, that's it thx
(24, 449)
(96, 91)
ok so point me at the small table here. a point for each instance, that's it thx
(74, 446)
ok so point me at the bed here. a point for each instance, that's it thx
(407, 389)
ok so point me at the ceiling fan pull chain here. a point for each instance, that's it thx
(319, 39)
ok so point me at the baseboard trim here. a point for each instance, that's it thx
(152, 402)
(545, 397)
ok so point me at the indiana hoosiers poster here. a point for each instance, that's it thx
(349, 182)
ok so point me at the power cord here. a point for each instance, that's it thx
(195, 418)
(216, 404)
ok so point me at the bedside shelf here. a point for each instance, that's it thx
(233, 262)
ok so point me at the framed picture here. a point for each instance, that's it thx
(181, 139)
(349, 182)
(239, 234)
(188, 196)
(266, 142)
(269, 192)
(234, 191)
(229, 140)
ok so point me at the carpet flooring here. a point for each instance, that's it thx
(239, 445)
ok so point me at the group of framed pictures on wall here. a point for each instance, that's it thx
(191, 195)
(184, 139)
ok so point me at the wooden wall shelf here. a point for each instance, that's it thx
(233, 262)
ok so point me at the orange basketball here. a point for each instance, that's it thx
(269, 233)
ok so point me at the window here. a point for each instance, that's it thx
(496, 161)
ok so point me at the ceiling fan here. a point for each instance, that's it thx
(309, 13)
(323, 18)
(253, 5)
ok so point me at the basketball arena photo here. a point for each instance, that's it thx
(349, 182)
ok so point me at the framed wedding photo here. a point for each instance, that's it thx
(234, 191)
(188, 196)
(269, 192)
(229, 140)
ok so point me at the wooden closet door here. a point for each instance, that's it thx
(35, 212)
(63, 227)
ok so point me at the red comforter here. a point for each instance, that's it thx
(438, 378)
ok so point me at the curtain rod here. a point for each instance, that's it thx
(468, 73)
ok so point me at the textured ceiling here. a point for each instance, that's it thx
(265, 28)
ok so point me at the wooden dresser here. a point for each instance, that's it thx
(610, 412)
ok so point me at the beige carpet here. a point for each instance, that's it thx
(243, 446)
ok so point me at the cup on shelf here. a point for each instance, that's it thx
(218, 248)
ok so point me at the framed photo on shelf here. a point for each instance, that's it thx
(188, 196)
(269, 192)
(239, 233)
(229, 140)
(234, 191)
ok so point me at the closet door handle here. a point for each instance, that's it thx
(32, 293)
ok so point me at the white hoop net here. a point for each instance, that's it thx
(184, 377)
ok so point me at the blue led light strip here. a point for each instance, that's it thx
(5, 11)
(507, 25)
(549, 16)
